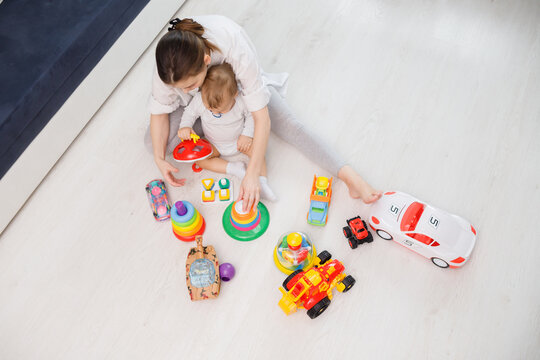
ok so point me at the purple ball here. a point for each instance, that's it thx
(226, 271)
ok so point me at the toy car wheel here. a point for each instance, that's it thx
(349, 281)
(347, 232)
(319, 308)
(439, 262)
(353, 243)
(324, 256)
(383, 234)
(369, 238)
(290, 277)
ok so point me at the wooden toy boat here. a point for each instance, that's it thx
(202, 272)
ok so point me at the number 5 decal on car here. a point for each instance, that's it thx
(395, 210)
(433, 221)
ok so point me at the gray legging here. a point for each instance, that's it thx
(284, 125)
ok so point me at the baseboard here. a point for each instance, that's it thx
(25, 175)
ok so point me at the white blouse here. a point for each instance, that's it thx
(236, 49)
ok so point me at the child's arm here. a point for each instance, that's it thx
(249, 125)
(191, 113)
(246, 139)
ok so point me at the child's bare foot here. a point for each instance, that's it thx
(358, 187)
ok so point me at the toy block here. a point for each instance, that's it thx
(208, 196)
(213, 188)
(208, 184)
(224, 194)
(224, 183)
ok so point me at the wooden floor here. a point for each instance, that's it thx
(437, 99)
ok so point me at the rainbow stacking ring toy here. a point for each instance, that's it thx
(245, 226)
(186, 221)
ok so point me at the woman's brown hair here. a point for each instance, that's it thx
(180, 52)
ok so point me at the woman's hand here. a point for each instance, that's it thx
(185, 133)
(250, 187)
(244, 143)
(167, 171)
(249, 191)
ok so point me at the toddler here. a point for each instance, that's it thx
(226, 122)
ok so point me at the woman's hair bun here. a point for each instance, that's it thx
(173, 24)
(186, 25)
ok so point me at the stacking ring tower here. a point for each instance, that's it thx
(186, 221)
(245, 226)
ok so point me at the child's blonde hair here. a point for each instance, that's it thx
(219, 85)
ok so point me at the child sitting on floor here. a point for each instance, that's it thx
(226, 122)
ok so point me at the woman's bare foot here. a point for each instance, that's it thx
(358, 187)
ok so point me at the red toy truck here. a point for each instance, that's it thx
(312, 289)
(356, 232)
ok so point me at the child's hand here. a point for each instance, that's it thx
(244, 143)
(185, 133)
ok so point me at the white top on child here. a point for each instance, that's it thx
(222, 130)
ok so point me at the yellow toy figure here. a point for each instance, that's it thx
(321, 193)
(321, 185)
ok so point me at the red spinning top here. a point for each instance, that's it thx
(192, 150)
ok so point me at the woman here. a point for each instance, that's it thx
(183, 56)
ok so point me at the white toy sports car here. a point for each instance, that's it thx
(446, 239)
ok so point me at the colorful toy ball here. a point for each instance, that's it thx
(294, 251)
(226, 271)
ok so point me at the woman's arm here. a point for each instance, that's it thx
(243, 58)
(250, 186)
(159, 131)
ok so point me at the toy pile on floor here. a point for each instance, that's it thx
(311, 277)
